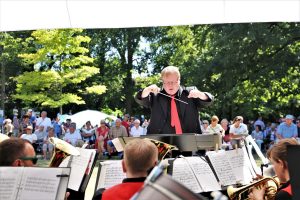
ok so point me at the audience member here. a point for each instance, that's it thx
(47, 145)
(225, 126)
(58, 128)
(140, 156)
(257, 135)
(32, 138)
(32, 118)
(237, 132)
(8, 127)
(16, 124)
(287, 129)
(204, 127)
(73, 136)
(214, 127)
(298, 127)
(40, 134)
(260, 122)
(88, 133)
(102, 137)
(116, 131)
(25, 122)
(126, 123)
(43, 121)
(136, 130)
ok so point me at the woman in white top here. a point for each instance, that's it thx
(136, 130)
(29, 136)
(214, 127)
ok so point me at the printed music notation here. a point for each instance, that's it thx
(34, 183)
(111, 174)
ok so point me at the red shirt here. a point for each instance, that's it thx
(123, 191)
(126, 125)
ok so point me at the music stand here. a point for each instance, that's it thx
(293, 152)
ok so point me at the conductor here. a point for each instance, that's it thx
(174, 108)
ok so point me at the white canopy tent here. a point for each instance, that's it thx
(48, 14)
(89, 115)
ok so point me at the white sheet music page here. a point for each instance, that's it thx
(9, 182)
(79, 166)
(111, 174)
(222, 167)
(204, 174)
(118, 144)
(240, 165)
(183, 173)
(38, 183)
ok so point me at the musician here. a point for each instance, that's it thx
(140, 156)
(169, 115)
(278, 157)
(17, 152)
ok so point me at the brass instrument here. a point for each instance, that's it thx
(62, 150)
(163, 148)
(272, 184)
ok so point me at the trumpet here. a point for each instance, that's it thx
(62, 150)
(272, 185)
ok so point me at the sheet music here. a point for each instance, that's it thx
(111, 174)
(204, 174)
(184, 174)
(222, 167)
(118, 144)
(250, 140)
(189, 168)
(31, 183)
(240, 165)
(9, 181)
(79, 166)
(37, 185)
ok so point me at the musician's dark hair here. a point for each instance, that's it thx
(11, 149)
(279, 150)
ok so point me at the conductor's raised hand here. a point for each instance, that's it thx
(197, 94)
(150, 89)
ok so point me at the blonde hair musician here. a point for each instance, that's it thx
(278, 157)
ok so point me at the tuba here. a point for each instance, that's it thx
(62, 150)
(272, 184)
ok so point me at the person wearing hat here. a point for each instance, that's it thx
(287, 129)
(30, 137)
(238, 131)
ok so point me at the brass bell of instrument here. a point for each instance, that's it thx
(272, 185)
(62, 149)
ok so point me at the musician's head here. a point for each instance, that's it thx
(278, 157)
(140, 155)
(17, 152)
(170, 77)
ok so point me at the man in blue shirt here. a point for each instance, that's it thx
(287, 129)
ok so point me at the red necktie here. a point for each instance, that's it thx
(174, 117)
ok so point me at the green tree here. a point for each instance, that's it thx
(60, 62)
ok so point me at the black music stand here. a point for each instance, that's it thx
(293, 152)
(189, 141)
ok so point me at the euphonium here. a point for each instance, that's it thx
(272, 184)
(62, 150)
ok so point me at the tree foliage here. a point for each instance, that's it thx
(60, 62)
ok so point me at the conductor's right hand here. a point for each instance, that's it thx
(152, 88)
